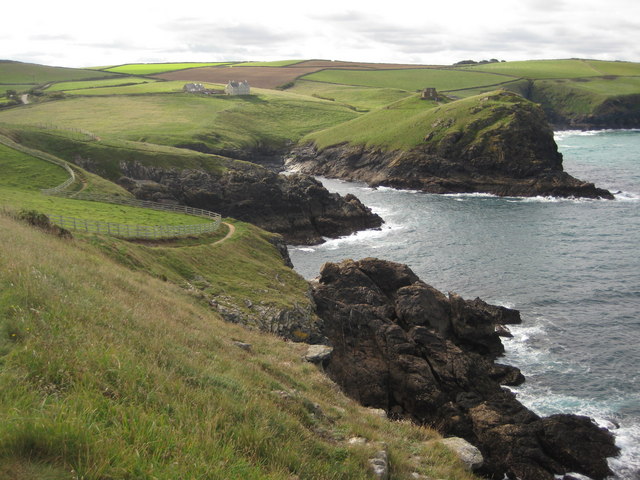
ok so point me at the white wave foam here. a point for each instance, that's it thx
(364, 236)
(303, 249)
(540, 199)
(627, 196)
(382, 188)
(470, 195)
(627, 465)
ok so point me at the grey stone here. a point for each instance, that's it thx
(466, 452)
(357, 441)
(242, 345)
(380, 465)
(318, 353)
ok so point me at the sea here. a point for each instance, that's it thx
(571, 266)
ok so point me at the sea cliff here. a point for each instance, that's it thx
(495, 143)
(403, 346)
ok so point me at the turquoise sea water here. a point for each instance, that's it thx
(572, 267)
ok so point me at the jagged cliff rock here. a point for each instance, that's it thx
(401, 345)
(506, 147)
(296, 206)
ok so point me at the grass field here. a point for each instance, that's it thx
(17, 87)
(23, 176)
(139, 88)
(217, 121)
(405, 124)
(153, 68)
(86, 84)
(361, 98)
(28, 73)
(276, 63)
(538, 69)
(409, 80)
(608, 86)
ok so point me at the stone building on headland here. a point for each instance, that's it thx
(429, 93)
(237, 88)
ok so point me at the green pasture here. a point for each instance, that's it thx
(361, 98)
(607, 86)
(276, 63)
(107, 155)
(410, 79)
(539, 69)
(519, 86)
(219, 122)
(140, 88)
(29, 73)
(18, 87)
(16, 199)
(85, 84)
(23, 176)
(153, 68)
(24, 172)
(405, 124)
(616, 68)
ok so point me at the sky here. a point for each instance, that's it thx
(75, 33)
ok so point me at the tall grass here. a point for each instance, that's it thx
(107, 373)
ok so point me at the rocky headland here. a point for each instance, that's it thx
(500, 144)
(403, 346)
(296, 206)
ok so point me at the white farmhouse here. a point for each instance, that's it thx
(237, 88)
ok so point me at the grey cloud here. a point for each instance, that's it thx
(246, 33)
(347, 16)
(546, 5)
(50, 38)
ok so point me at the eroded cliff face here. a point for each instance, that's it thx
(507, 150)
(296, 206)
(401, 345)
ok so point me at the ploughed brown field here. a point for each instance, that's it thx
(272, 77)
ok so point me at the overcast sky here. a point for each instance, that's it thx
(80, 33)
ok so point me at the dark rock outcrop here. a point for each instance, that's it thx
(401, 345)
(296, 206)
(507, 150)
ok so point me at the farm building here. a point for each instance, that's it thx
(237, 88)
(429, 94)
(194, 88)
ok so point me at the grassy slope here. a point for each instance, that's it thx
(539, 69)
(218, 121)
(361, 98)
(275, 63)
(87, 84)
(140, 88)
(410, 79)
(153, 68)
(23, 176)
(404, 124)
(28, 73)
(107, 373)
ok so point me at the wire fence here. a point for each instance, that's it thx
(120, 229)
(132, 231)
